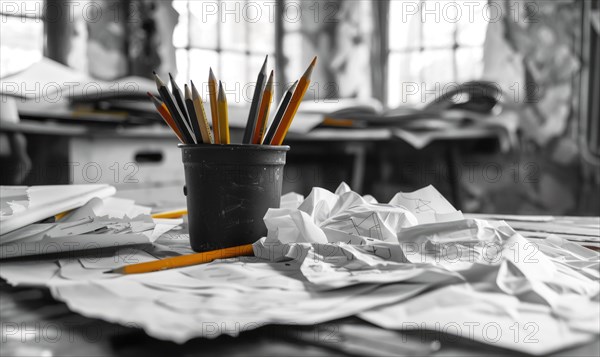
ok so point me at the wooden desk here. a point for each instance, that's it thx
(34, 323)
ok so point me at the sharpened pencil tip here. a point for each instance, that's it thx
(270, 80)
(108, 272)
(186, 90)
(159, 82)
(310, 68)
(195, 93)
(293, 86)
(211, 75)
(221, 97)
(263, 69)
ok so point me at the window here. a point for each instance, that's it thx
(232, 37)
(433, 44)
(21, 35)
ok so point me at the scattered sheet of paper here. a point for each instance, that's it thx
(99, 223)
(412, 263)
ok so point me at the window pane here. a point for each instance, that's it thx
(260, 17)
(469, 64)
(471, 28)
(30, 8)
(204, 22)
(404, 25)
(403, 79)
(437, 70)
(292, 15)
(21, 43)
(292, 48)
(200, 63)
(181, 56)
(233, 25)
(234, 75)
(439, 23)
(181, 33)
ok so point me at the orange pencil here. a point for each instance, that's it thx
(214, 111)
(292, 108)
(263, 112)
(184, 260)
(164, 113)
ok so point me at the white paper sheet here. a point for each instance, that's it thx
(95, 225)
(412, 263)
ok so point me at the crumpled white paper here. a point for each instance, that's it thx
(414, 262)
(342, 239)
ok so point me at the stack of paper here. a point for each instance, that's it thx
(107, 223)
(21, 205)
(412, 263)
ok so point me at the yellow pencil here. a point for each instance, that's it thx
(171, 214)
(184, 260)
(263, 112)
(201, 116)
(223, 116)
(214, 111)
(292, 108)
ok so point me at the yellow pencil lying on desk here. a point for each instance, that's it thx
(171, 214)
(184, 260)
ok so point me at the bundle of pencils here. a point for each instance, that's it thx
(184, 111)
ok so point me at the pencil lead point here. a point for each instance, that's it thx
(221, 95)
(310, 68)
(159, 82)
(263, 69)
(195, 93)
(211, 75)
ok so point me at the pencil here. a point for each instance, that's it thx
(179, 100)
(283, 104)
(292, 108)
(223, 116)
(256, 101)
(171, 214)
(162, 109)
(214, 111)
(205, 131)
(184, 260)
(168, 99)
(189, 103)
(263, 112)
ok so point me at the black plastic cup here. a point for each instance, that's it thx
(229, 188)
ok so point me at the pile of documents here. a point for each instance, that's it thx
(88, 222)
(414, 263)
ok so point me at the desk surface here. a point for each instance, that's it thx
(34, 323)
(318, 134)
